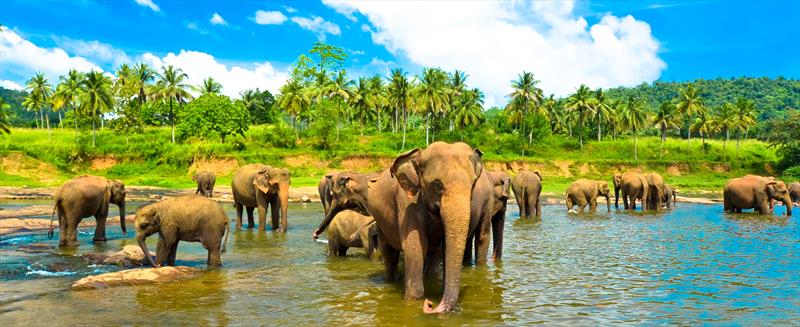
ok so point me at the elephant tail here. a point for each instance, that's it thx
(227, 232)
(50, 232)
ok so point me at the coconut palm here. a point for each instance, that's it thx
(431, 96)
(209, 86)
(664, 119)
(725, 120)
(614, 116)
(171, 87)
(527, 93)
(703, 124)
(5, 115)
(144, 75)
(580, 102)
(39, 91)
(399, 96)
(67, 92)
(690, 103)
(377, 96)
(470, 111)
(601, 107)
(360, 102)
(458, 86)
(746, 111)
(340, 90)
(293, 99)
(95, 97)
(633, 118)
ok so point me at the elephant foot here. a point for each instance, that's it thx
(428, 308)
(99, 240)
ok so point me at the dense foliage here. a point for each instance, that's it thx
(212, 115)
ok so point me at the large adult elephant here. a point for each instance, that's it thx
(421, 201)
(85, 196)
(755, 192)
(655, 192)
(188, 218)
(261, 186)
(794, 192)
(324, 188)
(633, 186)
(527, 186)
(585, 191)
(488, 206)
(205, 182)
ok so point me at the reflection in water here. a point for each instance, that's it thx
(690, 265)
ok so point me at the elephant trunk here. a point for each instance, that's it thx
(456, 220)
(608, 202)
(616, 197)
(284, 199)
(142, 244)
(122, 219)
(788, 202)
(333, 209)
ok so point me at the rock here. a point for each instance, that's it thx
(37, 248)
(154, 196)
(305, 199)
(131, 255)
(136, 277)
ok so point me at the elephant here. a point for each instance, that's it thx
(755, 192)
(584, 191)
(527, 186)
(261, 186)
(655, 192)
(489, 201)
(420, 202)
(352, 229)
(794, 192)
(85, 196)
(205, 182)
(633, 187)
(348, 191)
(190, 218)
(670, 196)
(324, 188)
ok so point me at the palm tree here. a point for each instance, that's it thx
(549, 108)
(526, 91)
(633, 117)
(39, 91)
(209, 86)
(340, 90)
(399, 95)
(458, 86)
(95, 97)
(144, 75)
(601, 107)
(360, 101)
(293, 99)
(4, 116)
(614, 115)
(726, 119)
(703, 124)
(171, 87)
(252, 101)
(470, 112)
(377, 96)
(746, 111)
(581, 102)
(690, 103)
(665, 119)
(431, 95)
(67, 92)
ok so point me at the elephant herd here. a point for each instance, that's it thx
(439, 206)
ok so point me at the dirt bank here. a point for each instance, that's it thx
(152, 194)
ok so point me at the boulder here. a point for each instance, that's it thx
(131, 255)
(305, 199)
(140, 276)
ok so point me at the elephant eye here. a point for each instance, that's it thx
(144, 225)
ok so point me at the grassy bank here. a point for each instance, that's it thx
(34, 158)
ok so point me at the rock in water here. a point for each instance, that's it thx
(131, 255)
(305, 199)
(136, 277)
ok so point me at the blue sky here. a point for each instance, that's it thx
(249, 44)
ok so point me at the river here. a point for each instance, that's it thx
(689, 265)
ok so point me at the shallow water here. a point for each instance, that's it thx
(690, 265)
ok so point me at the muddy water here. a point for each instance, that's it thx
(689, 265)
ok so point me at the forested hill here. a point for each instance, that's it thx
(19, 116)
(772, 97)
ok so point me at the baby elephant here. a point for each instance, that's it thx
(352, 229)
(584, 191)
(205, 182)
(527, 187)
(190, 218)
(670, 196)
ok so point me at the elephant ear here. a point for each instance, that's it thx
(404, 168)
(770, 187)
(538, 174)
(478, 163)
(107, 195)
(261, 181)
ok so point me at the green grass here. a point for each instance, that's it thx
(151, 159)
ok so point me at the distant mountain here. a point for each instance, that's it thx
(19, 116)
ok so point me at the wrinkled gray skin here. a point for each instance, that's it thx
(85, 196)
(352, 229)
(205, 182)
(584, 191)
(794, 192)
(755, 192)
(633, 186)
(324, 188)
(348, 191)
(489, 200)
(527, 186)
(261, 186)
(189, 218)
(670, 196)
(655, 193)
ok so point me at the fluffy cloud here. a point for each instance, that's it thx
(148, 4)
(216, 19)
(6, 84)
(269, 17)
(234, 79)
(319, 26)
(495, 41)
(21, 57)
(290, 10)
(96, 51)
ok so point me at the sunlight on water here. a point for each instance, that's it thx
(689, 265)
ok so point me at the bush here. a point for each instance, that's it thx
(213, 115)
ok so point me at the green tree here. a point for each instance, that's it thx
(601, 107)
(67, 92)
(664, 119)
(614, 116)
(260, 105)
(4, 116)
(703, 124)
(399, 96)
(171, 88)
(470, 111)
(633, 118)
(726, 119)
(144, 76)
(209, 86)
(746, 112)
(526, 94)
(431, 97)
(340, 91)
(213, 115)
(377, 97)
(690, 103)
(39, 91)
(96, 98)
(785, 136)
(293, 99)
(580, 102)
(360, 102)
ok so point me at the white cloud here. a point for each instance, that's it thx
(216, 19)
(6, 84)
(96, 51)
(234, 79)
(290, 10)
(20, 57)
(319, 26)
(149, 4)
(343, 8)
(495, 41)
(269, 17)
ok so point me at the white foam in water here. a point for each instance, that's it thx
(46, 273)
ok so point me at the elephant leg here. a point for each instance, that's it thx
(263, 204)
(239, 210)
(391, 257)
(737, 210)
(251, 223)
(625, 199)
(482, 242)
(100, 229)
(71, 231)
(538, 207)
(343, 251)
(173, 251)
(569, 203)
(214, 254)
(593, 205)
(468, 250)
(162, 252)
(414, 246)
(582, 205)
(166, 241)
(498, 223)
(275, 210)
(62, 228)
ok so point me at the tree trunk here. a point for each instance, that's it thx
(172, 120)
(75, 118)
(427, 129)
(60, 125)
(724, 143)
(580, 126)
(405, 125)
(635, 149)
(41, 116)
(339, 112)
(378, 111)
(524, 113)
(94, 131)
(738, 137)
(49, 132)
(599, 126)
